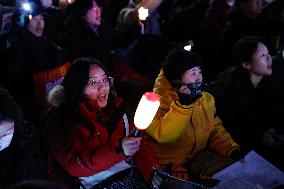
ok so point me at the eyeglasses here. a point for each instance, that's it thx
(106, 82)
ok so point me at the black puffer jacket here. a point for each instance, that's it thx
(27, 56)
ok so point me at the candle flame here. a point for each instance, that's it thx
(143, 13)
(30, 17)
(187, 47)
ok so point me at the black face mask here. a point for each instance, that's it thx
(195, 89)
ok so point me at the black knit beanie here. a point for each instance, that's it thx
(179, 61)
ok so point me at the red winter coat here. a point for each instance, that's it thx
(96, 151)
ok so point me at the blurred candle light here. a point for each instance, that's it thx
(63, 5)
(30, 17)
(27, 7)
(187, 47)
(142, 14)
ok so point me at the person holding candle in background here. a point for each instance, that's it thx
(186, 134)
(88, 34)
(89, 132)
(148, 18)
(28, 52)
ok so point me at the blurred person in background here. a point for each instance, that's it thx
(87, 34)
(28, 53)
(20, 155)
(247, 99)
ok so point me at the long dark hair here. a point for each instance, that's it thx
(245, 48)
(59, 120)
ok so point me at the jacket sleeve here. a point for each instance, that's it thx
(84, 160)
(145, 160)
(220, 140)
(171, 118)
(168, 126)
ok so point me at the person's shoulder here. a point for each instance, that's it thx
(207, 96)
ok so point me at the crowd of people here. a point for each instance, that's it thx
(72, 74)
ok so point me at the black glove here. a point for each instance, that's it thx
(236, 155)
(184, 99)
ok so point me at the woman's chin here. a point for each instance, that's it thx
(102, 104)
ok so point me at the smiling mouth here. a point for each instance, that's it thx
(101, 97)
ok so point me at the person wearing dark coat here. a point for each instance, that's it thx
(54, 19)
(20, 155)
(243, 97)
(252, 18)
(29, 53)
(274, 92)
(88, 35)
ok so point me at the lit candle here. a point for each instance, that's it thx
(30, 17)
(187, 47)
(142, 14)
(146, 110)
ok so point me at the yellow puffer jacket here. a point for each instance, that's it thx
(180, 131)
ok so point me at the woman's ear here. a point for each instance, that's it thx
(246, 65)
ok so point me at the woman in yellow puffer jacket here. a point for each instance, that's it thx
(187, 135)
